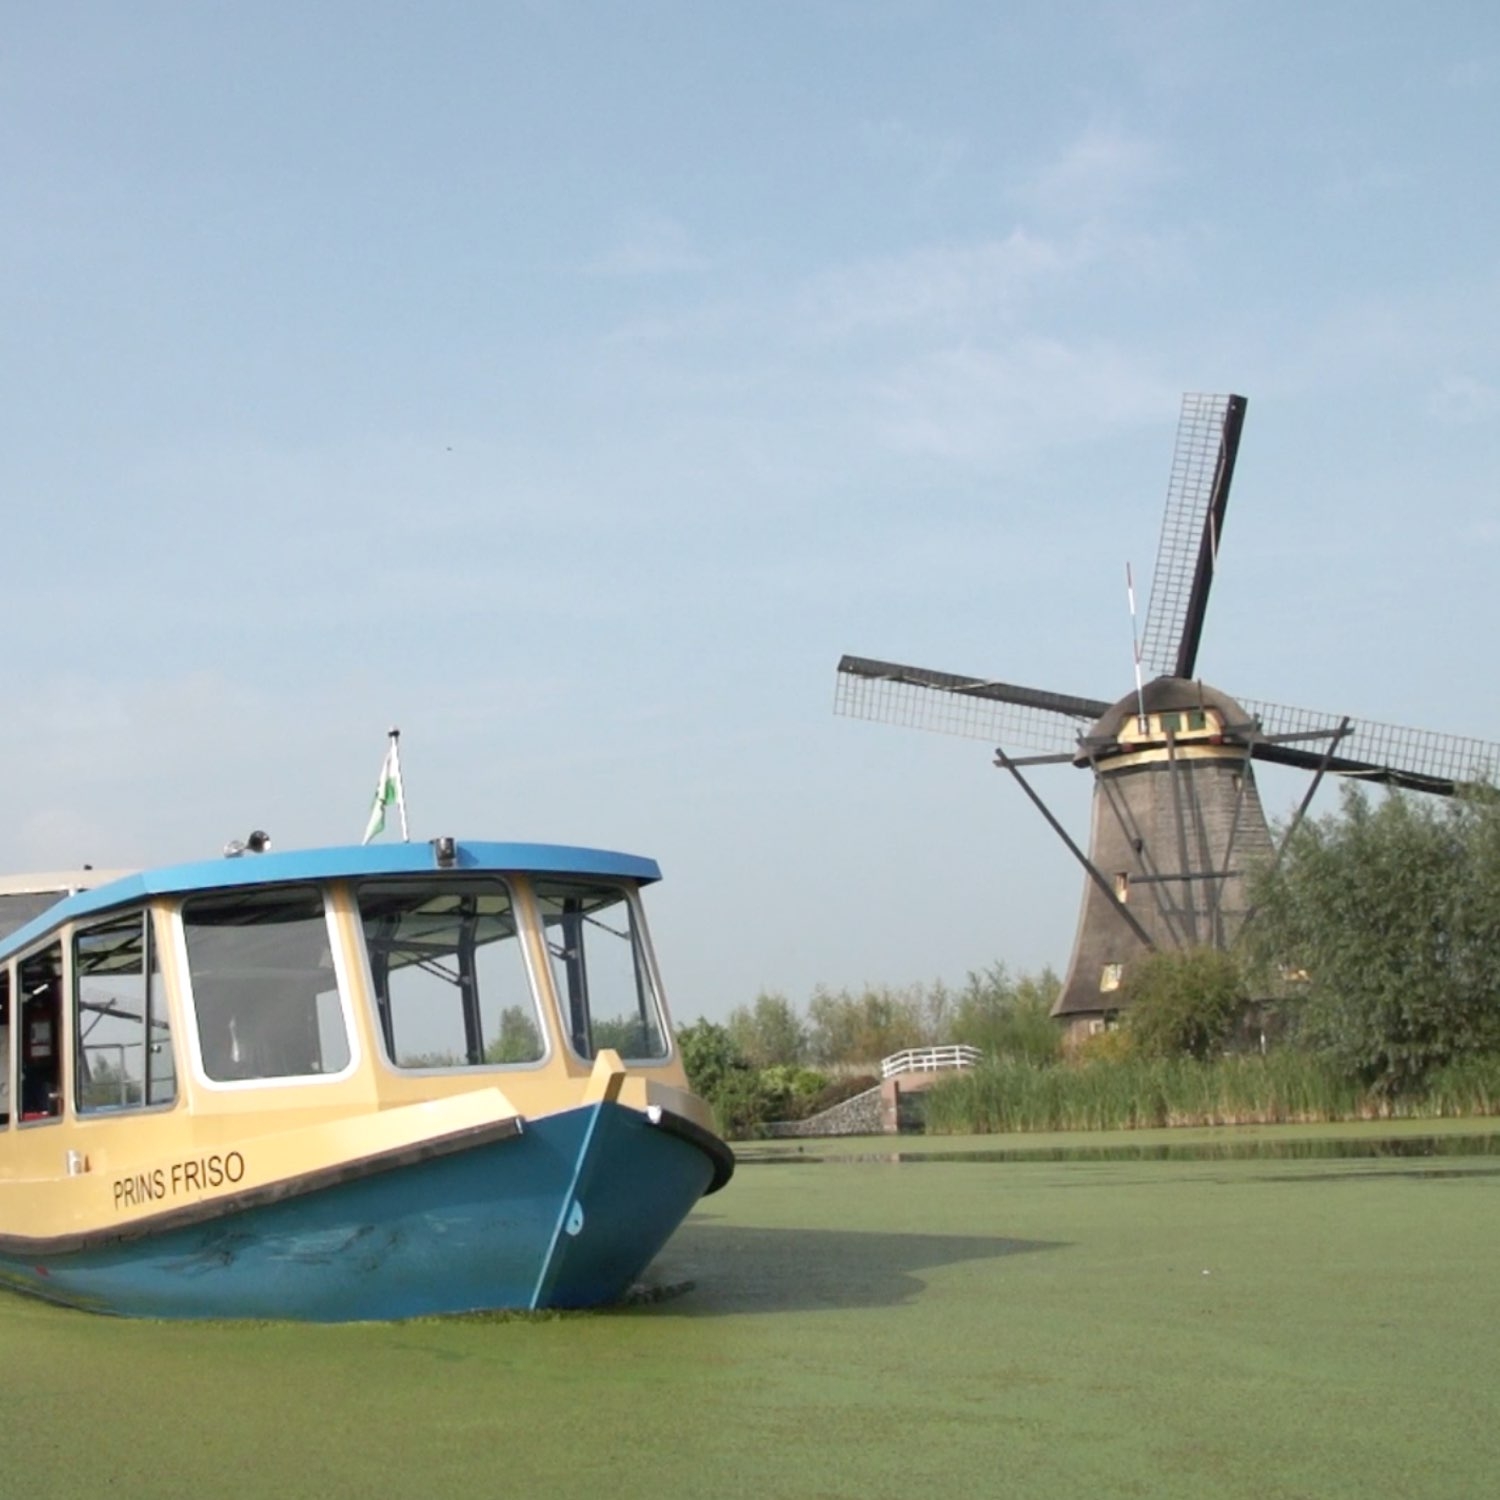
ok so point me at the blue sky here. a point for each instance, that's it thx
(570, 384)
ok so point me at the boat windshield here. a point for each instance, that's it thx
(265, 991)
(600, 970)
(449, 975)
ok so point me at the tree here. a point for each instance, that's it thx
(709, 1057)
(1184, 1001)
(770, 1033)
(518, 1040)
(1382, 926)
(1008, 1017)
(860, 1029)
(720, 1075)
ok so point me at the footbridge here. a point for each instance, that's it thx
(880, 1110)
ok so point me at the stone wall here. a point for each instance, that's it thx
(883, 1110)
(864, 1114)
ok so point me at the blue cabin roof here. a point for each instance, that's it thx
(356, 861)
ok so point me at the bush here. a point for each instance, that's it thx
(791, 1093)
(1184, 1002)
(841, 1089)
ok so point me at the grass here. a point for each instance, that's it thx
(1285, 1086)
(863, 1328)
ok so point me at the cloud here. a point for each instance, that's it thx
(1100, 173)
(928, 158)
(944, 286)
(650, 245)
(982, 404)
(1463, 401)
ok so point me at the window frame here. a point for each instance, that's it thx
(150, 964)
(643, 954)
(524, 915)
(62, 1044)
(7, 1045)
(189, 999)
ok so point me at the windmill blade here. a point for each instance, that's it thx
(949, 703)
(1419, 759)
(1208, 439)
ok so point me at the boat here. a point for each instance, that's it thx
(375, 1082)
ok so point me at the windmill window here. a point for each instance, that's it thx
(1197, 719)
(1122, 886)
(1171, 723)
(1109, 979)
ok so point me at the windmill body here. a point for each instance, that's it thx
(1177, 822)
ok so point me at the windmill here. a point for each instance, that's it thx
(1177, 820)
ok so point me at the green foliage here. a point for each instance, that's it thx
(837, 1090)
(1184, 1002)
(1286, 1086)
(709, 1057)
(627, 1035)
(518, 1040)
(1007, 1017)
(854, 1029)
(1382, 925)
(769, 1033)
(791, 1093)
(720, 1074)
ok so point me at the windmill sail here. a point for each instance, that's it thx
(1421, 760)
(950, 703)
(1208, 440)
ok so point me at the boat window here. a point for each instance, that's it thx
(4, 1047)
(123, 1035)
(599, 968)
(265, 991)
(39, 1050)
(449, 975)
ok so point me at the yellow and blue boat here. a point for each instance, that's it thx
(358, 1083)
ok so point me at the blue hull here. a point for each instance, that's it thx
(566, 1214)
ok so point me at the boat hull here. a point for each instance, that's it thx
(565, 1213)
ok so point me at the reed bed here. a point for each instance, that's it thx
(1283, 1087)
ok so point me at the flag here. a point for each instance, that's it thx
(388, 792)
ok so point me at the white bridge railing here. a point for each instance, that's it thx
(929, 1060)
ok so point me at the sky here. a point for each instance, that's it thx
(571, 384)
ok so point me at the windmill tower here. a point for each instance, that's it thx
(1177, 822)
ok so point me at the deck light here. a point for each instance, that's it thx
(446, 852)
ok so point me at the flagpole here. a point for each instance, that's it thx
(400, 788)
(388, 789)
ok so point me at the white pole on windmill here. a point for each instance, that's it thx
(1135, 641)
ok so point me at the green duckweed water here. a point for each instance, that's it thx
(1315, 1326)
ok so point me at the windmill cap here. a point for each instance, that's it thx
(1165, 695)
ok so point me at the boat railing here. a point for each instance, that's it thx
(929, 1060)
